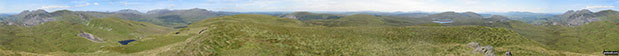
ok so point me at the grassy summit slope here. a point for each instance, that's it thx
(61, 36)
(268, 35)
(592, 37)
(352, 20)
(302, 16)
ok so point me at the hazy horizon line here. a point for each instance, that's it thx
(145, 11)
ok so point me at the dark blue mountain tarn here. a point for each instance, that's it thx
(125, 42)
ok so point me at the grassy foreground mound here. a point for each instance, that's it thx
(268, 35)
(60, 37)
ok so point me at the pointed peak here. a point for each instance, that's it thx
(158, 11)
(470, 12)
(585, 11)
(39, 11)
(128, 11)
(197, 9)
(449, 12)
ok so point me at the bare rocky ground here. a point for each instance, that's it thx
(90, 37)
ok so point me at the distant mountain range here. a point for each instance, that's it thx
(180, 18)
(580, 17)
(204, 32)
(165, 17)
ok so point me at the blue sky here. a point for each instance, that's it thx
(538, 6)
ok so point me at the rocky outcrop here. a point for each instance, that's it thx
(577, 18)
(486, 50)
(508, 53)
(31, 18)
(90, 37)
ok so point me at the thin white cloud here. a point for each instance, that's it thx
(54, 7)
(82, 5)
(125, 3)
(599, 7)
(470, 1)
(95, 3)
(170, 6)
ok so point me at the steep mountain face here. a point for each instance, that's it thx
(577, 18)
(63, 34)
(36, 17)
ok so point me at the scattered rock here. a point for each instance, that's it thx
(473, 44)
(486, 50)
(508, 53)
(90, 37)
(201, 31)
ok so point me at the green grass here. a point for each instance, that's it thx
(61, 36)
(352, 20)
(148, 44)
(268, 35)
(592, 37)
(302, 16)
(354, 35)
